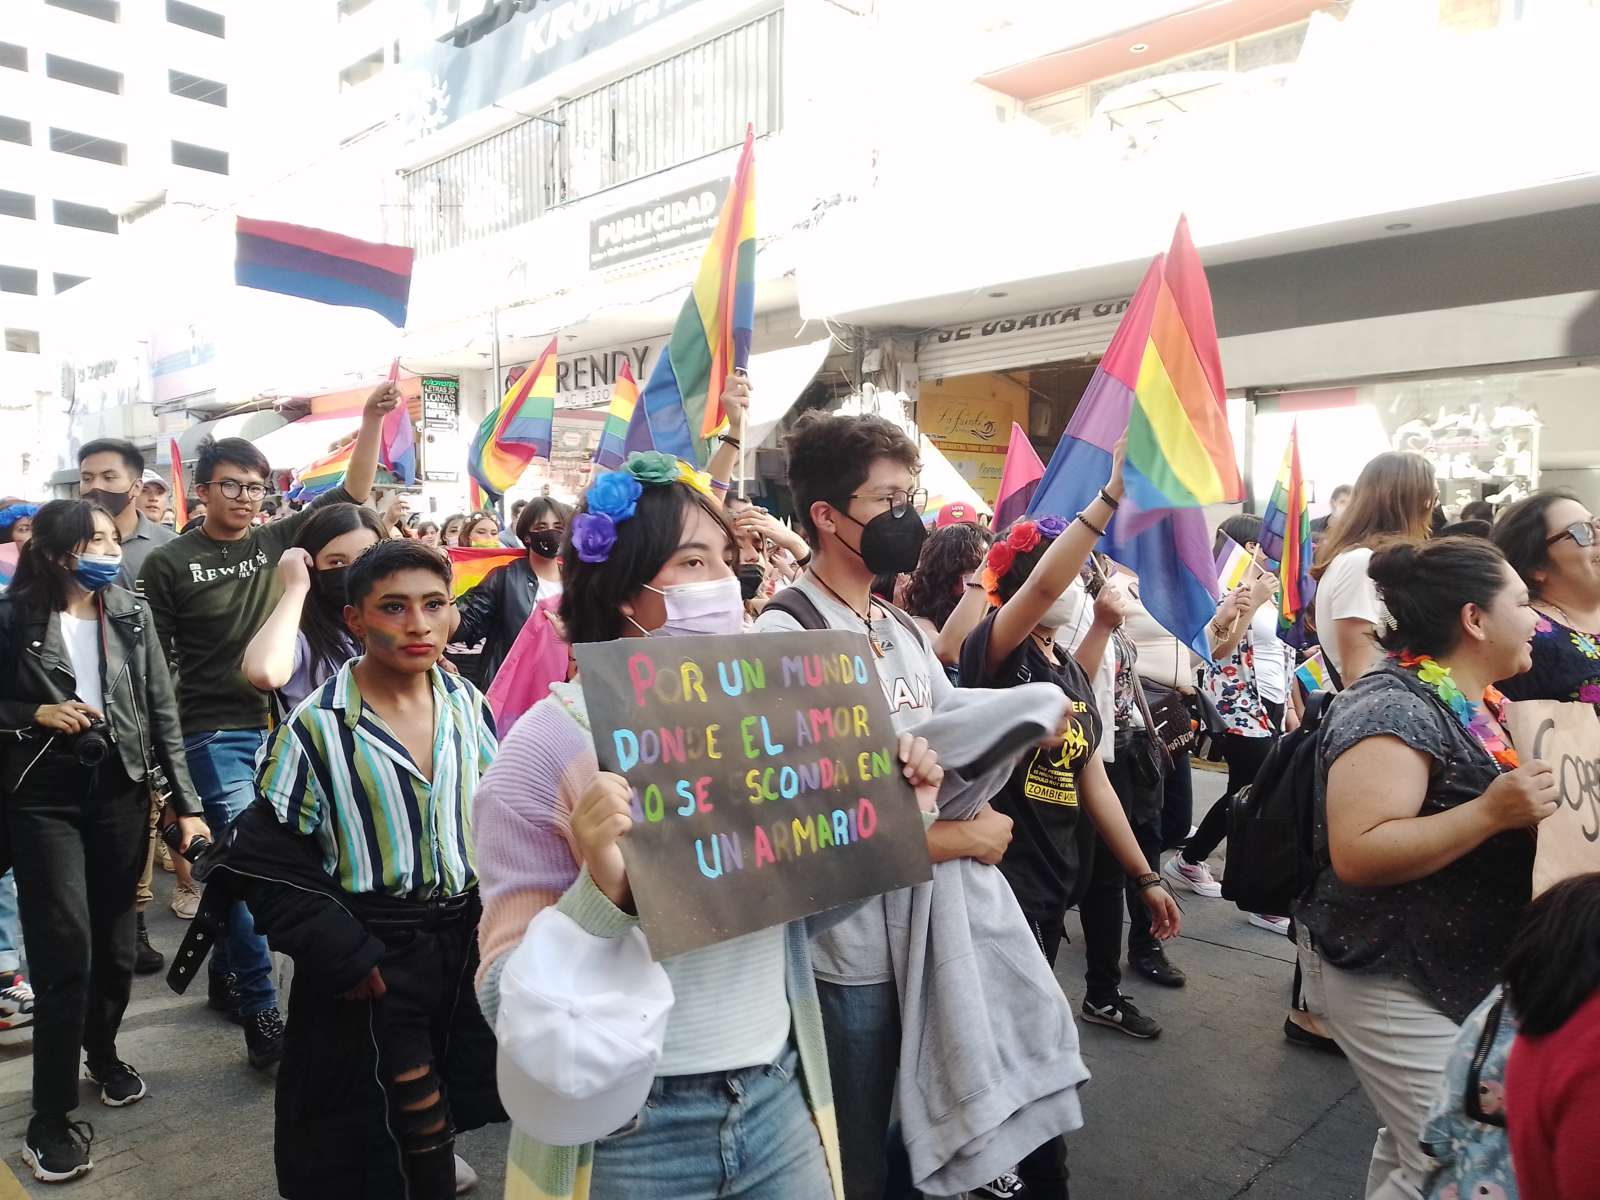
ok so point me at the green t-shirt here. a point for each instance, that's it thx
(208, 599)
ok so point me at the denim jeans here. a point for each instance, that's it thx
(745, 1134)
(223, 765)
(10, 926)
(862, 1024)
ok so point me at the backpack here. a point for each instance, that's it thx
(1271, 859)
(794, 603)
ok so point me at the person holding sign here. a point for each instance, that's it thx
(1423, 835)
(1553, 542)
(649, 554)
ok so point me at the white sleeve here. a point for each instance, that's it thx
(1350, 591)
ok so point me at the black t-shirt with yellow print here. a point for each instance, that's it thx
(1043, 795)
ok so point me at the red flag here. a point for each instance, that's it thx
(1021, 476)
(180, 490)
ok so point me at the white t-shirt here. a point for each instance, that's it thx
(1346, 591)
(1273, 659)
(83, 652)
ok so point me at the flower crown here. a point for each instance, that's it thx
(614, 497)
(1022, 537)
(12, 513)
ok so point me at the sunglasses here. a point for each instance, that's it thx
(1581, 532)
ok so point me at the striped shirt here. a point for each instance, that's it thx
(336, 772)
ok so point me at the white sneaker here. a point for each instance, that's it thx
(186, 900)
(16, 1001)
(466, 1177)
(1007, 1187)
(1270, 923)
(1196, 878)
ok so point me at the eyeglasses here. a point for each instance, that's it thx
(1582, 532)
(898, 501)
(233, 489)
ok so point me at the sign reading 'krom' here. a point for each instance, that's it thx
(765, 777)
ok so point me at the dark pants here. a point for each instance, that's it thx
(862, 1026)
(1110, 891)
(1244, 756)
(1177, 802)
(1044, 1172)
(78, 839)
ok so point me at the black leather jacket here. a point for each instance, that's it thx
(141, 710)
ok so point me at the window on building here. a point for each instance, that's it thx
(22, 341)
(24, 281)
(84, 145)
(85, 216)
(65, 283)
(70, 70)
(202, 20)
(349, 8)
(17, 204)
(195, 87)
(15, 129)
(360, 71)
(104, 10)
(15, 57)
(201, 158)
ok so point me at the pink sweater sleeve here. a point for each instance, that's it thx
(522, 825)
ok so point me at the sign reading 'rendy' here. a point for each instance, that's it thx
(765, 777)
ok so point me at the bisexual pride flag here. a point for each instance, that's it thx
(296, 260)
(397, 444)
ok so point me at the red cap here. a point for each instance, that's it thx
(957, 514)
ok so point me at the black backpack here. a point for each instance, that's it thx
(1271, 856)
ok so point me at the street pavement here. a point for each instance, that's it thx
(1219, 1106)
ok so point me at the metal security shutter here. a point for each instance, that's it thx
(1004, 343)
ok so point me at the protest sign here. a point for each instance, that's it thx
(1567, 737)
(765, 775)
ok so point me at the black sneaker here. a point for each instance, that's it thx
(57, 1149)
(263, 1038)
(1121, 1015)
(1155, 966)
(220, 997)
(1007, 1187)
(119, 1084)
(147, 960)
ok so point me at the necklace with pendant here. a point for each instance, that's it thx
(878, 649)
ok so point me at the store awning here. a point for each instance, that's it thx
(777, 378)
(302, 442)
(251, 426)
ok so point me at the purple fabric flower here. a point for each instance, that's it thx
(1589, 693)
(593, 535)
(1052, 527)
(615, 495)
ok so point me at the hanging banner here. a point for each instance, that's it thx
(765, 776)
(1567, 736)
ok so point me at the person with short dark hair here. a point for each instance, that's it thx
(1422, 834)
(1553, 542)
(1477, 510)
(209, 590)
(1337, 500)
(111, 474)
(494, 612)
(154, 497)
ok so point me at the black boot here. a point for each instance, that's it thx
(147, 959)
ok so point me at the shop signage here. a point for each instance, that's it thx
(1001, 327)
(528, 46)
(662, 224)
(584, 379)
(441, 402)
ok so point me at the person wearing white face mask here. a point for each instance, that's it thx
(650, 554)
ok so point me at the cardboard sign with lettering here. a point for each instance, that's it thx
(765, 774)
(1567, 737)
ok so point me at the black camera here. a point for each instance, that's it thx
(93, 744)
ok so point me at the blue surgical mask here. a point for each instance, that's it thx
(97, 571)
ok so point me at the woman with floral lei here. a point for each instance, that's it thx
(1026, 575)
(650, 554)
(1424, 835)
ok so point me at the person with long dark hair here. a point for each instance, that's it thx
(450, 531)
(495, 611)
(304, 640)
(950, 557)
(1553, 542)
(92, 727)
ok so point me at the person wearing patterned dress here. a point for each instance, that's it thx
(1550, 540)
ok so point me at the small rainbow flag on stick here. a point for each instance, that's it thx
(519, 430)
(613, 447)
(325, 473)
(470, 565)
(180, 488)
(314, 264)
(1286, 537)
(683, 396)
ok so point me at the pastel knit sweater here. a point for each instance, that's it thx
(527, 860)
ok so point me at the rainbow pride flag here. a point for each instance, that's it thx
(397, 444)
(476, 500)
(1286, 537)
(683, 396)
(322, 475)
(518, 431)
(470, 565)
(180, 488)
(613, 448)
(314, 264)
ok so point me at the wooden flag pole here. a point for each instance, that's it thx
(744, 424)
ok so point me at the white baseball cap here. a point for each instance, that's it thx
(580, 1027)
(150, 476)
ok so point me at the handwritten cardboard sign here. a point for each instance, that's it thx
(765, 776)
(1566, 736)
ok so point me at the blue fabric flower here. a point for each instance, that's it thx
(615, 495)
(594, 534)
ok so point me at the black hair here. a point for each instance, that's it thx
(473, 519)
(537, 510)
(1243, 528)
(1520, 533)
(594, 593)
(885, 586)
(241, 453)
(131, 457)
(326, 635)
(1424, 586)
(40, 584)
(390, 557)
(948, 557)
(1339, 492)
(446, 523)
(421, 528)
(518, 505)
(1022, 564)
(1466, 528)
(1553, 967)
(830, 456)
(1477, 510)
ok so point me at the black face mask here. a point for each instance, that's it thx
(546, 543)
(751, 577)
(329, 585)
(890, 545)
(112, 502)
